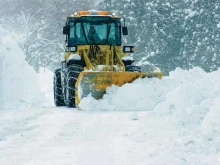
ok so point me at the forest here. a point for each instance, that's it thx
(166, 34)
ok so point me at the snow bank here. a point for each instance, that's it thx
(45, 78)
(191, 98)
(19, 80)
(182, 125)
(181, 90)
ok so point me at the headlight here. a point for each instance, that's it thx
(128, 49)
(71, 49)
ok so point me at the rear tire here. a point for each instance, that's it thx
(133, 68)
(57, 88)
(72, 75)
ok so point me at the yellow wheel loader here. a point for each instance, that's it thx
(94, 58)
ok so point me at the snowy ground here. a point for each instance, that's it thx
(173, 121)
(62, 136)
(65, 136)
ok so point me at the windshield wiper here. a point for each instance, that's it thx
(84, 32)
(108, 33)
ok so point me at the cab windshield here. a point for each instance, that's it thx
(95, 30)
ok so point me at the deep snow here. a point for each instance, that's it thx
(19, 81)
(173, 121)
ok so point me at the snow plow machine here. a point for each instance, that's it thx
(94, 58)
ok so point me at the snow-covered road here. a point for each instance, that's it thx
(63, 136)
(43, 136)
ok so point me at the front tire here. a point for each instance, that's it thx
(133, 68)
(57, 88)
(72, 75)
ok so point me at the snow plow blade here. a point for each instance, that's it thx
(97, 82)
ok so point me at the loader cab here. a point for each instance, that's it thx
(93, 30)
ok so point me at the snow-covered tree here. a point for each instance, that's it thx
(172, 33)
(168, 33)
(37, 27)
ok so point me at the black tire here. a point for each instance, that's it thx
(133, 68)
(73, 72)
(75, 62)
(57, 88)
(127, 62)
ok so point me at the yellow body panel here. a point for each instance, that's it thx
(107, 55)
(87, 48)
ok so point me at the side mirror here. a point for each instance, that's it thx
(65, 30)
(124, 30)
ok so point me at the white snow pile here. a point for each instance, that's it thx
(19, 80)
(181, 90)
(183, 113)
(191, 98)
